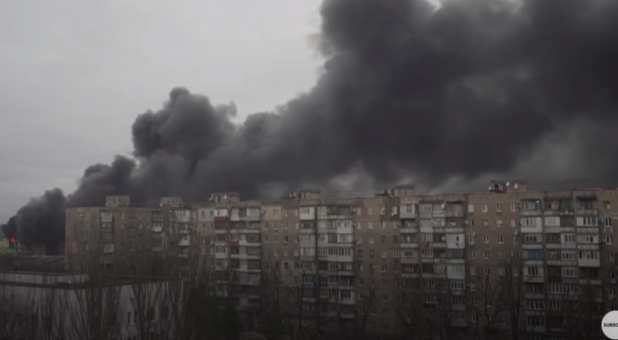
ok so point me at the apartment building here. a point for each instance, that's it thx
(145, 240)
(508, 260)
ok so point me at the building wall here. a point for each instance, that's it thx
(362, 259)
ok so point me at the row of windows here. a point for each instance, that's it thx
(499, 207)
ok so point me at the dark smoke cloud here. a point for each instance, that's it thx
(10, 228)
(100, 180)
(472, 89)
(40, 222)
(188, 125)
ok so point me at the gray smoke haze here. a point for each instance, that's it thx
(472, 89)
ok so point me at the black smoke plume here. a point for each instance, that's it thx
(40, 223)
(408, 90)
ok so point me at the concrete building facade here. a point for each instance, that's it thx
(509, 260)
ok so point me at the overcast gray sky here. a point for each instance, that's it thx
(75, 73)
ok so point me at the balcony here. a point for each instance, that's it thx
(246, 214)
(335, 212)
(589, 262)
(252, 242)
(184, 242)
(247, 269)
(109, 248)
(407, 211)
(306, 213)
(534, 278)
(248, 281)
(106, 217)
(347, 315)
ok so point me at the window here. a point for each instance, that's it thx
(587, 221)
(471, 237)
(532, 270)
(410, 253)
(588, 255)
(535, 304)
(427, 252)
(253, 251)
(484, 208)
(570, 272)
(532, 205)
(553, 255)
(426, 237)
(570, 238)
(534, 321)
(456, 284)
(409, 268)
(498, 206)
(567, 254)
(586, 204)
(533, 238)
(427, 268)
(535, 254)
(587, 238)
(499, 223)
(471, 208)
(552, 221)
(552, 238)
(500, 238)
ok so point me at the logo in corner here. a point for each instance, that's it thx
(609, 325)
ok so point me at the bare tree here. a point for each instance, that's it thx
(366, 305)
(92, 303)
(489, 303)
(272, 321)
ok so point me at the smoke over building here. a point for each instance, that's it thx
(408, 90)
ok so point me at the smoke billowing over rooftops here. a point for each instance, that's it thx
(474, 88)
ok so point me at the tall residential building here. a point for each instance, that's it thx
(506, 261)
